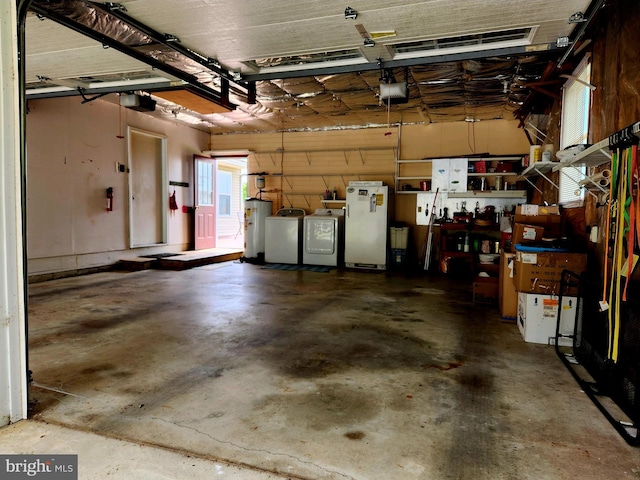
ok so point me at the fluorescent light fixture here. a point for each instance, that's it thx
(369, 43)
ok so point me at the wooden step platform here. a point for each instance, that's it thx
(182, 260)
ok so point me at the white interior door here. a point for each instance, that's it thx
(147, 188)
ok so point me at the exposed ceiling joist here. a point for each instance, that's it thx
(407, 62)
(300, 69)
(594, 8)
(118, 10)
(192, 83)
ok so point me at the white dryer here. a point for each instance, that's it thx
(283, 236)
(323, 242)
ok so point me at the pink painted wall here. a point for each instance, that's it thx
(72, 150)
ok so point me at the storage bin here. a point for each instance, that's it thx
(399, 237)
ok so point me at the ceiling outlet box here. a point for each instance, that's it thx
(141, 103)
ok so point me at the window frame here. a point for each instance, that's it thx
(568, 182)
(226, 177)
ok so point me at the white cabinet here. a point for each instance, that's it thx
(449, 175)
(452, 176)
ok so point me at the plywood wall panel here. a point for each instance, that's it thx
(495, 137)
(302, 165)
(615, 69)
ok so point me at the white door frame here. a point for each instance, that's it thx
(164, 189)
(13, 339)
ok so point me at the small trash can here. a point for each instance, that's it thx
(399, 239)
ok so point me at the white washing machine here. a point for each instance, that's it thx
(283, 236)
(324, 238)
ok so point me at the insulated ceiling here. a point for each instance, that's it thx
(472, 60)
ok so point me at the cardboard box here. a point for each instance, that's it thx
(538, 317)
(524, 233)
(507, 294)
(542, 272)
(546, 217)
(485, 290)
(537, 210)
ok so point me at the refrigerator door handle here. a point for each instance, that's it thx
(347, 209)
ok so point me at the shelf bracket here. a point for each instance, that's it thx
(346, 157)
(326, 184)
(308, 158)
(272, 160)
(533, 185)
(361, 156)
(288, 182)
(605, 153)
(547, 179)
(586, 177)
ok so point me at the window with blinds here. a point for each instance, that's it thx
(574, 128)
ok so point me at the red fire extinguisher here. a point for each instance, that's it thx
(109, 199)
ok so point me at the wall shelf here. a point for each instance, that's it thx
(598, 153)
(538, 169)
(594, 156)
(308, 153)
(427, 177)
(305, 195)
(471, 159)
(324, 176)
(492, 174)
(473, 193)
(490, 194)
(411, 169)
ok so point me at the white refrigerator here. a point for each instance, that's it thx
(366, 221)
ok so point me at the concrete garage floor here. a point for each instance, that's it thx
(339, 375)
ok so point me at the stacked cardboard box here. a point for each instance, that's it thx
(485, 290)
(525, 276)
(507, 296)
(542, 272)
(533, 222)
(538, 316)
